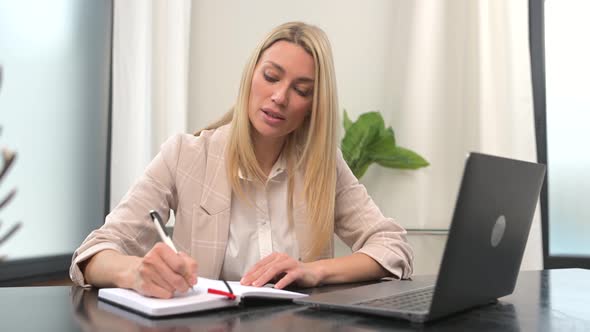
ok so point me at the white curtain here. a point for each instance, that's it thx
(150, 75)
(461, 77)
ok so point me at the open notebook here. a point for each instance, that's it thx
(197, 299)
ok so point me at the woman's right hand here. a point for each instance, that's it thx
(161, 272)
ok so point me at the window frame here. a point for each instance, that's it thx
(537, 54)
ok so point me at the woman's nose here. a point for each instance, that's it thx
(279, 96)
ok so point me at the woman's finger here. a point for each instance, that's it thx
(289, 278)
(172, 277)
(148, 282)
(154, 269)
(255, 270)
(274, 270)
(269, 262)
(190, 274)
(153, 289)
(178, 270)
(160, 265)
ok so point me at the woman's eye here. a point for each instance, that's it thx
(270, 78)
(303, 92)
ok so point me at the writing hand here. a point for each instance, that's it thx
(285, 269)
(161, 272)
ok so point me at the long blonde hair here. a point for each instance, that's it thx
(311, 148)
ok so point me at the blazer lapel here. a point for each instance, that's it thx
(216, 202)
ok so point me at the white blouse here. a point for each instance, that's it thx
(257, 231)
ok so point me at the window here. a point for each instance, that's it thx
(54, 112)
(560, 60)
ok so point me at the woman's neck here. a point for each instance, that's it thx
(267, 151)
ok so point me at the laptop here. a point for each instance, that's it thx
(486, 241)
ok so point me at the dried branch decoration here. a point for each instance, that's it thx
(8, 158)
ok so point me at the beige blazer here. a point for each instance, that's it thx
(188, 176)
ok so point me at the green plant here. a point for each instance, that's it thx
(367, 141)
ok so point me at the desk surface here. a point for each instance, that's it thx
(543, 301)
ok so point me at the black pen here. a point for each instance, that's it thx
(161, 230)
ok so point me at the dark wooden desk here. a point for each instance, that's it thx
(543, 301)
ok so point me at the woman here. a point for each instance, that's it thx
(257, 196)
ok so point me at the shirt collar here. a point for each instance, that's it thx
(279, 167)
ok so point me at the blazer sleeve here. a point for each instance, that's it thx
(362, 226)
(128, 229)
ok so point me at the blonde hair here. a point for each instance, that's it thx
(311, 148)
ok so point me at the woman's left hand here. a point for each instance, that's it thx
(285, 270)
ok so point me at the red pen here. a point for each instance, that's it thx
(220, 292)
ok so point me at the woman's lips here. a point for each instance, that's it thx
(273, 114)
(271, 118)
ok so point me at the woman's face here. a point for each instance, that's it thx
(282, 90)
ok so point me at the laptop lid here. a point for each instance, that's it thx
(488, 233)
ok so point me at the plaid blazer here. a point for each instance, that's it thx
(189, 176)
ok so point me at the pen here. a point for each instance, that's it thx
(161, 230)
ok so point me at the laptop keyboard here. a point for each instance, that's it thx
(418, 300)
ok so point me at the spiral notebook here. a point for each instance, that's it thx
(199, 298)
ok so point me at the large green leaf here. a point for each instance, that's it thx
(359, 136)
(367, 141)
(383, 145)
(401, 158)
(360, 169)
